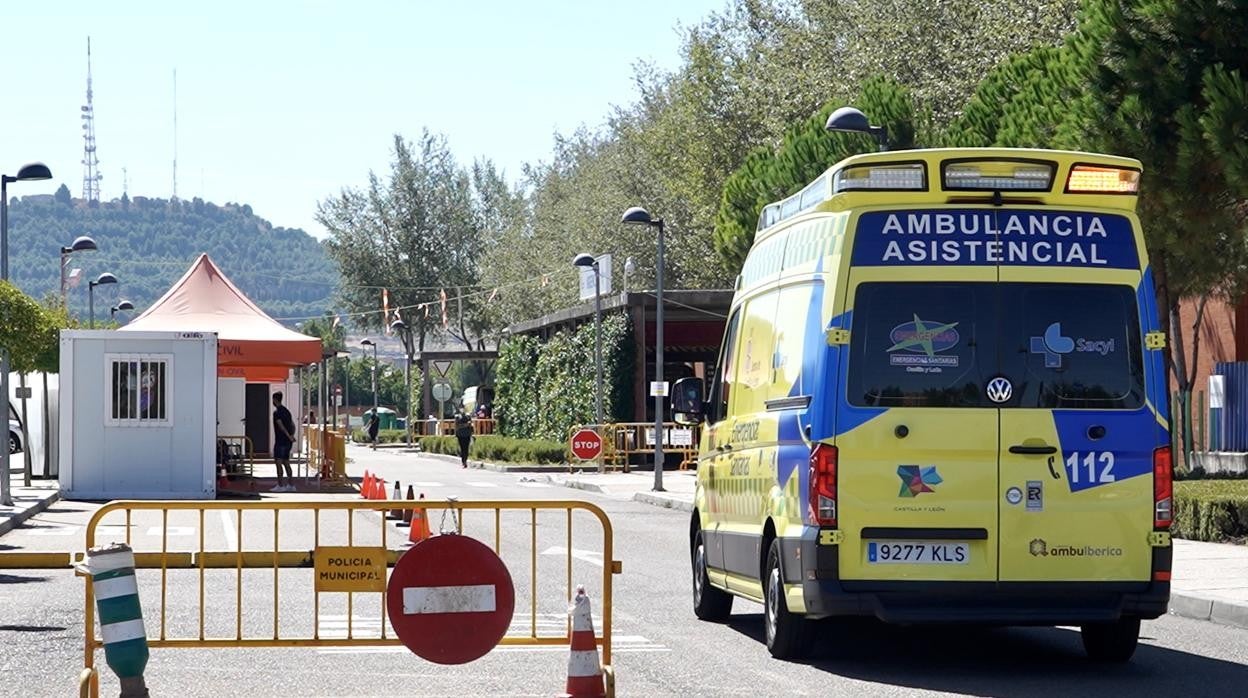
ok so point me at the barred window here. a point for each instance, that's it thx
(138, 389)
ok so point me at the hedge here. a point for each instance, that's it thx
(495, 448)
(1211, 510)
(543, 389)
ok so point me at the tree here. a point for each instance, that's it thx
(62, 196)
(806, 152)
(28, 331)
(415, 234)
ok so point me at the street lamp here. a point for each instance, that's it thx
(82, 243)
(640, 216)
(405, 334)
(28, 173)
(105, 278)
(123, 305)
(582, 261)
(376, 407)
(850, 120)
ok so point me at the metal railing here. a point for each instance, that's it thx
(246, 452)
(176, 626)
(326, 450)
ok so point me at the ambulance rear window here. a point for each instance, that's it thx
(936, 344)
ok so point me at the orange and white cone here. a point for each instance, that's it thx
(584, 670)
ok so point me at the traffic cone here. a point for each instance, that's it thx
(406, 514)
(366, 485)
(379, 490)
(398, 494)
(420, 525)
(584, 671)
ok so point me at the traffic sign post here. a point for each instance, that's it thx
(450, 599)
(586, 444)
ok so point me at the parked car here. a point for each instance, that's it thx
(15, 436)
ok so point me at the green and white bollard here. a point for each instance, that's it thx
(121, 618)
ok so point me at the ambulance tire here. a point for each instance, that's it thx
(788, 634)
(1111, 642)
(709, 603)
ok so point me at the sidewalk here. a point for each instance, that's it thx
(27, 501)
(1210, 580)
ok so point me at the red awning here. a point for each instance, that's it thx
(204, 300)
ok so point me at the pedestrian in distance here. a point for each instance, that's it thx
(374, 423)
(463, 432)
(283, 440)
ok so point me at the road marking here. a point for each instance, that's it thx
(534, 484)
(172, 531)
(628, 644)
(56, 530)
(426, 484)
(231, 535)
(481, 484)
(590, 556)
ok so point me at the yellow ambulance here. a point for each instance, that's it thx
(941, 398)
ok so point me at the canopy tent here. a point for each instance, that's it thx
(250, 344)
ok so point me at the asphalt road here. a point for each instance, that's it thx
(660, 648)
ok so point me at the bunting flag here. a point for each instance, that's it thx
(385, 308)
(442, 295)
(545, 280)
(493, 295)
(336, 322)
(426, 307)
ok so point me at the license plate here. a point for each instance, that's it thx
(918, 553)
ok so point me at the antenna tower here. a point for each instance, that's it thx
(90, 164)
(175, 135)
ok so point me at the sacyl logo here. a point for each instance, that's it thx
(999, 389)
(1054, 344)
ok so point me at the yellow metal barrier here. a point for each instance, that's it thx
(180, 627)
(327, 454)
(247, 450)
(622, 440)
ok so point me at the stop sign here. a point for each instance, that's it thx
(450, 599)
(586, 444)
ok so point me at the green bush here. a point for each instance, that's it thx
(384, 436)
(495, 448)
(1211, 510)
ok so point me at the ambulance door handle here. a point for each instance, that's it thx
(1033, 450)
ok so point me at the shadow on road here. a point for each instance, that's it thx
(20, 579)
(1000, 661)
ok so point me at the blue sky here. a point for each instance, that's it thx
(280, 104)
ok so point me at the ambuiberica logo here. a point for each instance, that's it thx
(1040, 548)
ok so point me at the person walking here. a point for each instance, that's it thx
(374, 424)
(463, 432)
(283, 440)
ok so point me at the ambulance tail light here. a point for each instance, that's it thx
(997, 175)
(1098, 179)
(823, 465)
(1163, 488)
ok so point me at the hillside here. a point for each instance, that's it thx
(149, 243)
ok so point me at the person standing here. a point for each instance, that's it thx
(283, 440)
(374, 424)
(463, 432)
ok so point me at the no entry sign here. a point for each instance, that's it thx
(450, 599)
(586, 444)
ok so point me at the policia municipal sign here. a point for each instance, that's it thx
(342, 568)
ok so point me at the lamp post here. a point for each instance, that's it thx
(582, 261)
(82, 243)
(27, 173)
(640, 216)
(405, 334)
(105, 278)
(376, 407)
(123, 305)
(850, 120)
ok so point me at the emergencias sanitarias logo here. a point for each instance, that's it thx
(916, 480)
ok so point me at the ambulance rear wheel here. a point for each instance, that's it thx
(709, 603)
(788, 634)
(1111, 642)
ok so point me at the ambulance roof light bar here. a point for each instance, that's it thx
(851, 120)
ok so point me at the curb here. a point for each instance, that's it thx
(576, 484)
(663, 500)
(20, 517)
(492, 467)
(1212, 610)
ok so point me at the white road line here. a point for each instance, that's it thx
(590, 556)
(68, 530)
(426, 484)
(231, 535)
(534, 484)
(479, 483)
(172, 530)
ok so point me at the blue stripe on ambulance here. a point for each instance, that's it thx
(1083, 458)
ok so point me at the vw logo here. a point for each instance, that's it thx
(1000, 389)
